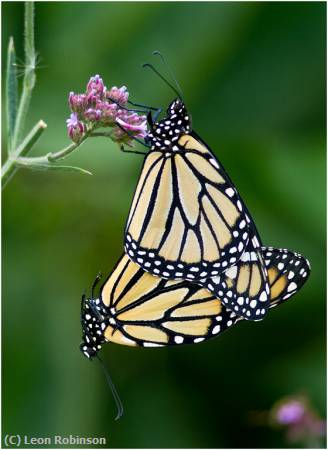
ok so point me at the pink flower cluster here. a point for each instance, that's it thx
(301, 421)
(99, 107)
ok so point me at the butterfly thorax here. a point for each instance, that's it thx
(94, 317)
(166, 133)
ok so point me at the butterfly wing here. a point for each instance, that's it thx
(145, 310)
(148, 311)
(287, 272)
(244, 288)
(187, 219)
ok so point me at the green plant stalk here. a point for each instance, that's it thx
(61, 154)
(10, 166)
(29, 74)
(11, 93)
(29, 31)
(53, 157)
(38, 162)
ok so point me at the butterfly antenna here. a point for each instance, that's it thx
(166, 64)
(83, 299)
(94, 285)
(111, 385)
(163, 78)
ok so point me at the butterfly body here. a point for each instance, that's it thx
(94, 321)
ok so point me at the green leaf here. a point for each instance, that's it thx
(11, 93)
(23, 162)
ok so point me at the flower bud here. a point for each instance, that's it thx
(75, 128)
(108, 113)
(77, 102)
(92, 115)
(96, 86)
(119, 95)
(92, 99)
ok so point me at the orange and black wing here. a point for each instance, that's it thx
(187, 220)
(260, 278)
(149, 311)
(244, 288)
(139, 309)
(287, 272)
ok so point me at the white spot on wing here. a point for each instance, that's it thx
(214, 163)
(230, 192)
(292, 287)
(178, 339)
(231, 272)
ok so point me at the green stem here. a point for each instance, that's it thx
(29, 74)
(53, 157)
(32, 137)
(17, 159)
(7, 171)
(29, 32)
(10, 166)
(11, 93)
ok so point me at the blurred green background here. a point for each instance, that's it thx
(253, 76)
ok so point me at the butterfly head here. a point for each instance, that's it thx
(177, 112)
(168, 131)
(92, 321)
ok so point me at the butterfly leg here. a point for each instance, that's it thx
(131, 151)
(132, 137)
(125, 108)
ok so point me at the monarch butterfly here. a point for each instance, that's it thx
(186, 214)
(138, 309)
(187, 220)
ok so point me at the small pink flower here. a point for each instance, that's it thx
(119, 95)
(75, 128)
(92, 115)
(77, 102)
(301, 421)
(290, 412)
(108, 113)
(96, 86)
(92, 99)
(137, 129)
(98, 107)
